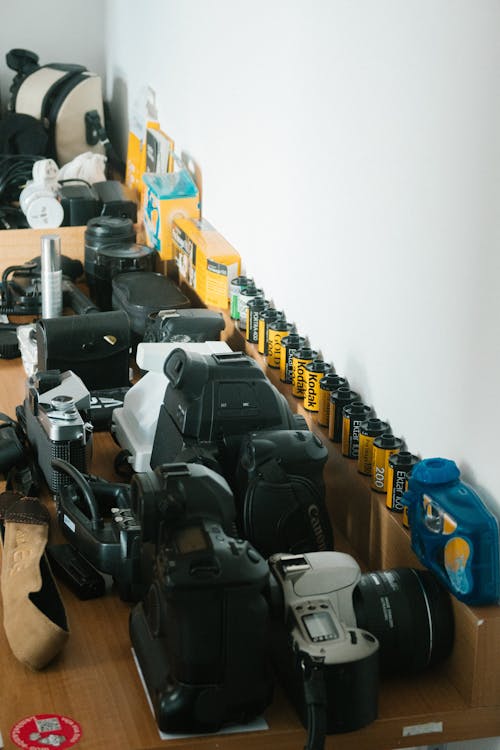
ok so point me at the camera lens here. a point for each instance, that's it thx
(103, 231)
(411, 615)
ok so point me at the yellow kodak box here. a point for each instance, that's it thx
(136, 157)
(205, 259)
(164, 198)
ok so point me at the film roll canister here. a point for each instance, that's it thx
(237, 284)
(265, 317)
(254, 308)
(248, 293)
(384, 446)
(338, 399)
(328, 383)
(369, 430)
(276, 331)
(314, 371)
(353, 415)
(290, 344)
(300, 359)
(400, 467)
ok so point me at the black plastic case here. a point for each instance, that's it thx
(141, 294)
(120, 258)
(94, 346)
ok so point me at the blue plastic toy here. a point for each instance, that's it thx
(452, 532)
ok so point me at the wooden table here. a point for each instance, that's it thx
(95, 681)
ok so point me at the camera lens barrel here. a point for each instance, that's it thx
(411, 615)
(103, 231)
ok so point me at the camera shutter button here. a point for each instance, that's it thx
(253, 555)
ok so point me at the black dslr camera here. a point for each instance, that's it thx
(280, 492)
(56, 418)
(200, 634)
(336, 629)
(213, 401)
(173, 492)
(184, 325)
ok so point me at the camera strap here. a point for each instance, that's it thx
(315, 700)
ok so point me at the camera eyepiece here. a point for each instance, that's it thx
(186, 370)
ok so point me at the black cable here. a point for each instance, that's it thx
(15, 171)
(7, 304)
(83, 486)
(315, 699)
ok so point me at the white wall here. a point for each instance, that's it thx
(69, 32)
(350, 152)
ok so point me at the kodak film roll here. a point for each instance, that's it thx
(314, 371)
(290, 345)
(328, 383)
(300, 359)
(277, 330)
(265, 317)
(338, 399)
(248, 293)
(384, 446)
(400, 467)
(369, 430)
(353, 416)
(254, 308)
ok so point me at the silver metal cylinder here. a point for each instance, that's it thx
(51, 276)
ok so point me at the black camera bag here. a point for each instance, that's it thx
(94, 346)
(280, 493)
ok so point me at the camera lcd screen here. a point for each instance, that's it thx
(191, 539)
(320, 626)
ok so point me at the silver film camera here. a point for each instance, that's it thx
(56, 412)
(317, 645)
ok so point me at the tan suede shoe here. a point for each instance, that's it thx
(33, 612)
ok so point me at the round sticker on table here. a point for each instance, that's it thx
(45, 731)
